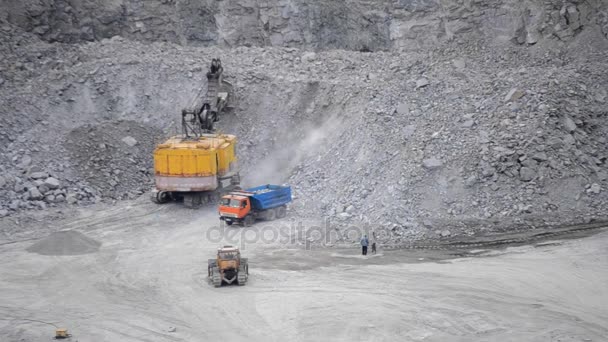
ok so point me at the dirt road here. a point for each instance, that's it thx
(149, 275)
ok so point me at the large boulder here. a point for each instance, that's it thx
(432, 163)
(34, 194)
(526, 174)
(52, 183)
(38, 175)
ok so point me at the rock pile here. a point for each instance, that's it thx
(68, 242)
(408, 142)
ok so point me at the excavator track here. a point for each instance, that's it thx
(526, 238)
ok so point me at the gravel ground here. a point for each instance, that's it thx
(148, 282)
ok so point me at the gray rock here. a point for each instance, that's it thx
(43, 189)
(532, 37)
(594, 189)
(514, 94)
(470, 181)
(526, 174)
(129, 140)
(343, 216)
(59, 198)
(540, 156)
(15, 204)
(601, 95)
(3, 212)
(71, 199)
(445, 233)
(459, 63)
(408, 131)
(34, 194)
(427, 223)
(52, 183)
(50, 198)
(2, 182)
(19, 188)
(529, 162)
(403, 109)
(25, 161)
(487, 171)
(432, 163)
(569, 124)
(309, 56)
(468, 123)
(569, 139)
(422, 82)
(524, 208)
(38, 175)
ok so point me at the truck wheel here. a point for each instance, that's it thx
(160, 197)
(248, 221)
(271, 215)
(229, 223)
(281, 212)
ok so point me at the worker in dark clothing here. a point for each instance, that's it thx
(215, 69)
(364, 244)
(219, 66)
(374, 242)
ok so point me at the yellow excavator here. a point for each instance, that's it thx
(199, 165)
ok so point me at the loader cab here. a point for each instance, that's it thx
(228, 258)
(235, 206)
(228, 253)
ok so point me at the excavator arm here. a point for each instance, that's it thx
(199, 117)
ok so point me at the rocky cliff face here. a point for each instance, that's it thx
(337, 24)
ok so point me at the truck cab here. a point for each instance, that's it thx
(233, 208)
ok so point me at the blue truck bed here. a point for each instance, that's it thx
(269, 196)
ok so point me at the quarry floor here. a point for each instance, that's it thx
(148, 282)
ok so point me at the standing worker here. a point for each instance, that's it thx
(373, 242)
(364, 243)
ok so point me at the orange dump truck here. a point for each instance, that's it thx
(265, 202)
(196, 170)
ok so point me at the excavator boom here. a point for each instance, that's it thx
(198, 118)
